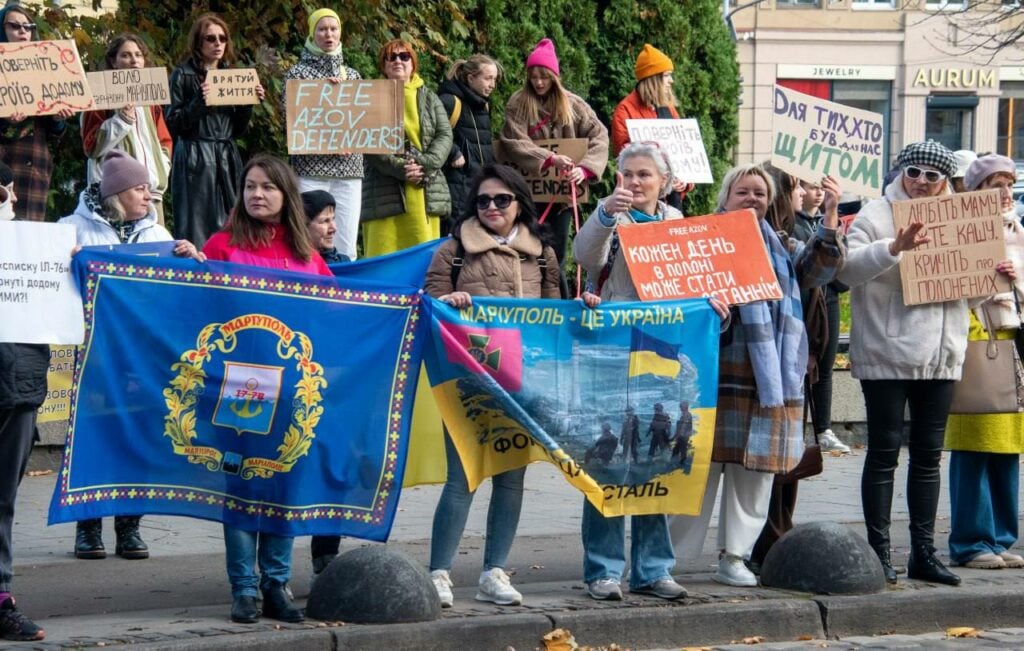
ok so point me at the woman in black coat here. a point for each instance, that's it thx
(465, 94)
(206, 164)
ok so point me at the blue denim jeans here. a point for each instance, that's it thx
(242, 549)
(453, 509)
(982, 503)
(604, 548)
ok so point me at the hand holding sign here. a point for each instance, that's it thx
(621, 198)
(830, 205)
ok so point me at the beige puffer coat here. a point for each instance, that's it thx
(492, 269)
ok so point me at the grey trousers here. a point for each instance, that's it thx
(17, 433)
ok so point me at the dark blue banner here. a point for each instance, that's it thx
(264, 399)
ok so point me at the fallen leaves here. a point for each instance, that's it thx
(753, 639)
(962, 631)
(561, 639)
(536, 567)
(39, 473)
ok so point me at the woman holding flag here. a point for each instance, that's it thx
(497, 249)
(643, 180)
(759, 429)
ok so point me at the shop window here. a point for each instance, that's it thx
(874, 96)
(1010, 140)
(874, 4)
(939, 5)
(781, 4)
(949, 120)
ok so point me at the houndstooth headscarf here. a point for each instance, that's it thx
(929, 153)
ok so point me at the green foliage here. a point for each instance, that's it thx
(597, 44)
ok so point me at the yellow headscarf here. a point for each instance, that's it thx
(315, 18)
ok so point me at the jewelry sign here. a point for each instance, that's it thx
(42, 78)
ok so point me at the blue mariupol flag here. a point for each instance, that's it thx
(264, 399)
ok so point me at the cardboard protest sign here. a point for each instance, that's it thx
(232, 87)
(966, 232)
(549, 186)
(38, 297)
(812, 138)
(719, 255)
(57, 406)
(681, 140)
(42, 78)
(115, 89)
(358, 116)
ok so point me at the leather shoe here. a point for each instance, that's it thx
(887, 568)
(245, 610)
(89, 539)
(924, 566)
(129, 543)
(278, 605)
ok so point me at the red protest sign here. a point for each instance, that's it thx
(720, 255)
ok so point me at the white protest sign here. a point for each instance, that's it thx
(38, 296)
(681, 140)
(813, 138)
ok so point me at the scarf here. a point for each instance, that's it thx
(640, 217)
(775, 334)
(315, 18)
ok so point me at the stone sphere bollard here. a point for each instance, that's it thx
(823, 558)
(373, 585)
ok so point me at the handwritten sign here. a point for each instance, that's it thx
(812, 138)
(548, 185)
(232, 87)
(115, 89)
(57, 406)
(966, 232)
(681, 140)
(38, 297)
(719, 255)
(358, 116)
(42, 78)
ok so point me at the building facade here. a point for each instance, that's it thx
(923, 65)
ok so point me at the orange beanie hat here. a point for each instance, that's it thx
(651, 61)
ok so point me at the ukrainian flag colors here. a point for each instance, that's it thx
(650, 355)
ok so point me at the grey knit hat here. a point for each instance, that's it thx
(120, 172)
(928, 153)
(985, 167)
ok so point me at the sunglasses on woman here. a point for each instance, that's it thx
(930, 176)
(215, 38)
(400, 56)
(21, 27)
(501, 201)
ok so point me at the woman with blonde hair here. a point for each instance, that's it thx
(405, 195)
(543, 110)
(465, 94)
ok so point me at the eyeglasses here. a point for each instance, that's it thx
(400, 56)
(21, 27)
(216, 38)
(930, 176)
(501, 201)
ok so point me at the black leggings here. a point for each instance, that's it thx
(885, 400)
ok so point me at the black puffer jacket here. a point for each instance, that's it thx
(472, 139)
(23, 375)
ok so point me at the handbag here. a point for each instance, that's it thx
(811, 462)
(990, 383)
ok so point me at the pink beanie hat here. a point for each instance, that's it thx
(544, 55)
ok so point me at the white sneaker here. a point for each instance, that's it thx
(496, 587)
(732, 571)
(829, 442)
(443, 585)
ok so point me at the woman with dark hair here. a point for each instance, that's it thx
(542, 110)
(504, 253)
(267, 229)
(465, 94)
(138, 130)
(25, 141)
(204, 184)
(405, 195)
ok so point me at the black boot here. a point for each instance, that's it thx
(89, 539)
(887, 568)
(245, 610)
(278, 605)
(924, 566)
(129, 542)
